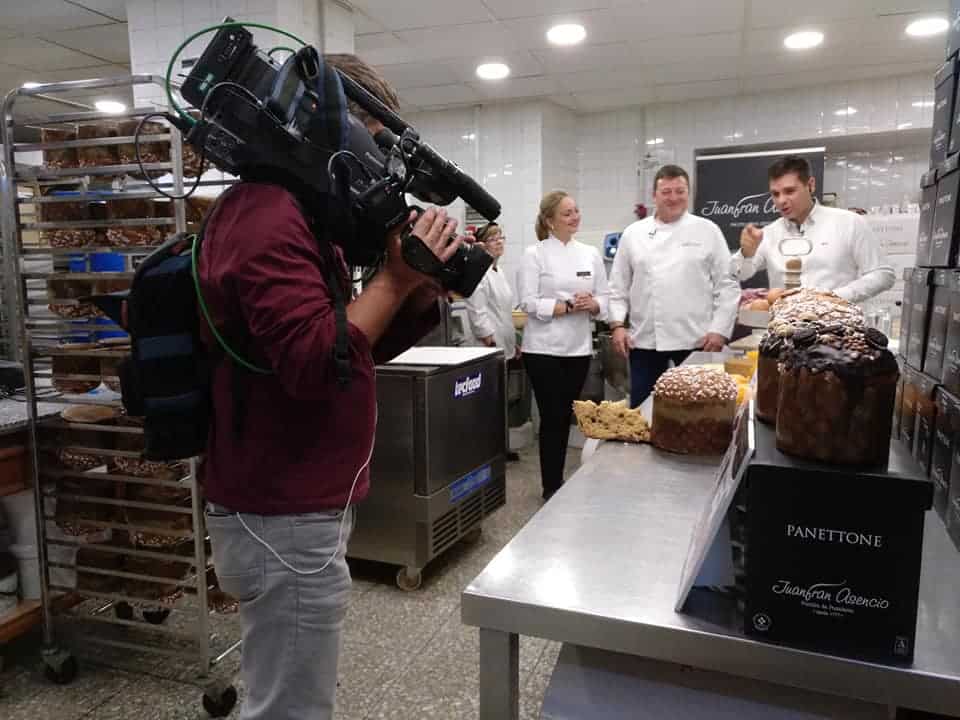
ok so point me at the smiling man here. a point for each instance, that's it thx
(836, 248)
(671, 275)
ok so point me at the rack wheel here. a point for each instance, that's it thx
(474, 535)
(222, 703)
(123, 611)
(62, 673)
(156, 617)
(409, 579)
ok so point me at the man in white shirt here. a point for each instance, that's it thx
(836, 249)
(671, 274)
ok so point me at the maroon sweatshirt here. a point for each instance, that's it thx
(301, 438)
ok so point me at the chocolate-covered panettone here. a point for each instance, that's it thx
(837, 389)
(693, 409)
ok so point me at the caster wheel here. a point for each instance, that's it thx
(474, 535)
(156, 617)
(407, 580)
(123, 611)
(222, 705)
(64, 673)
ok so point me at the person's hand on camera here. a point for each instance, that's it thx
(434, 227)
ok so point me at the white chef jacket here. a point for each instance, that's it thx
(552, 272)
(846, 256)
(674, 280)
(490, 311)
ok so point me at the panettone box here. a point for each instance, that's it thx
(825, 570)
(943, 243)
(937, 327)
(944, 461)
(945, 85)
(928, 201)
(926, 411)
(950, 373)
(921, 297)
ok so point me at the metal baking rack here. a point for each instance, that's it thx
(102, 517)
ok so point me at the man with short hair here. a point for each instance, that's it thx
(671, 275)
(836, 248)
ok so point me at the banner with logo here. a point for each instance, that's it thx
(732, 189)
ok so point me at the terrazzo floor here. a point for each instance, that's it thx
(405, 655)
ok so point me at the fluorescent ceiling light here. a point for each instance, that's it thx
(110, 106)
(904, 126)
(845, 111)
(492, 71)
(803, 40)
(30, 85)
(567, 34)
(925, 27)
(922, 103)
(655, 141)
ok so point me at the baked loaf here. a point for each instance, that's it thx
(792, 310)
(838, 384)
(611, 421)
(693, 410)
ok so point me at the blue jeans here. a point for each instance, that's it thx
(291, 622)
(646, 367)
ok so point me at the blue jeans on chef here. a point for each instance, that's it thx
(646, 367)
(291, 622)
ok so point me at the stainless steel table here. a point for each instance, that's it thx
(600, 564)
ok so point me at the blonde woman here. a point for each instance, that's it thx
(563, 287)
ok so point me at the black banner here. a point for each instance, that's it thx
(731, 190)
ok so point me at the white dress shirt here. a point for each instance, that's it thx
(674, 280)
(553, 271)
(845, 257)
(490, 311)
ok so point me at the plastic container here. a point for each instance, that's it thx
(29, 563)
(105, 334)
(21, 519)
(107, 262)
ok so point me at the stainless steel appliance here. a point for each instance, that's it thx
(439, 460)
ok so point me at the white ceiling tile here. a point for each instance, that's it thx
(606, 99)
(381, 49)
(35, 17)
(461, 40)
(696, 90)
(38, 54)
(505, 9)
(115, 9)
(413, 75)
(567, 100)
(602, 26)
(522, 64)
(588, 57)
(596, 80)
(110, 42)
(395, 15)
(363, 24)
(687, 17)
(519, 87)
(458, 94)
(694, 71)
(775, 13)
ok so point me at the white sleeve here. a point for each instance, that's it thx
(601, 289)
(530, 298)
(874, 272)
(745, 268)
(478, 310)
(621, 280)
(726, 288)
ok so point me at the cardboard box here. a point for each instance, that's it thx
(953, 35)
(945, 84)
(944, 445)
(937, 327)
(926, 410)
(943, 246)
(921, 296)
(928, 202)
(834, 554)
(950, 375)
(908, 413)
(898, 402)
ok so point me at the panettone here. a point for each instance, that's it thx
(693, 410)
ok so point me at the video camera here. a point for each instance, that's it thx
(292, 119)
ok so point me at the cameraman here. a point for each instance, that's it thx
(289, 451)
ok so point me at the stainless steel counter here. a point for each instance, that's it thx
(600, 565)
